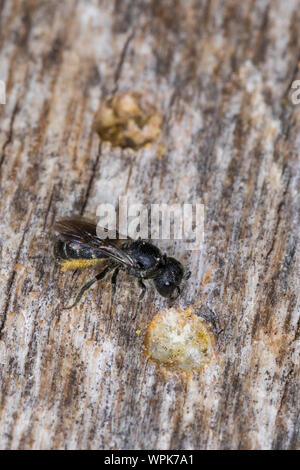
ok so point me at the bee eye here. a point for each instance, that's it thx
(167, 283)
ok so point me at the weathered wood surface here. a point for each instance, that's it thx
(222, 72)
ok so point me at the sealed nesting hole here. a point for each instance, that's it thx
(179, 339)
(128, 120)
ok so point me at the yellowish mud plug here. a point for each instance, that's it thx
(179, 340)
(128, 120)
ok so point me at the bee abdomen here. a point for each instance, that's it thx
(65, 250)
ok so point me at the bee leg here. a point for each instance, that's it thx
(89, 284)
(143, 287)
(114, 282)
(75, 272)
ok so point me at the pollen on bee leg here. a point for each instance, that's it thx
(179, 340)
(77, 263)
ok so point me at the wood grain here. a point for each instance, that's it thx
(222, 73)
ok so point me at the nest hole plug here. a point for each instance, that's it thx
(179, 340)
(128, 119)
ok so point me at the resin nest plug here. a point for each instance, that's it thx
(128, 120)
(180, 340)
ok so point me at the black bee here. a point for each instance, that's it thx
(78, 246)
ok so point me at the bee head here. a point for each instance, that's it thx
(169, 277)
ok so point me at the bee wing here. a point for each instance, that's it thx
(84, 232)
